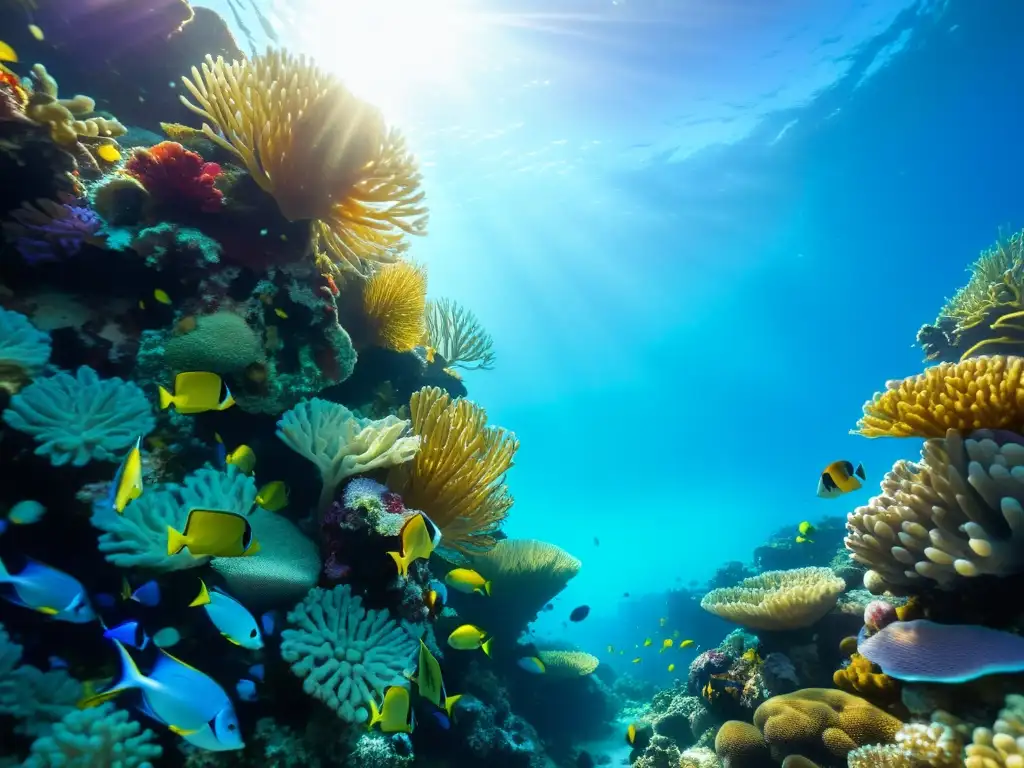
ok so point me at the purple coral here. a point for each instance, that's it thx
(704, 666)
(57, 230)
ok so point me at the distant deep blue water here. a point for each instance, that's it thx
(701, 235)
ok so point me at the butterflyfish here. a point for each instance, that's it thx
(631, 734)
(532, 664)
(430, 682)
(805, 530)
(685, 643)
(213, 533)
(243, 458)
(273, 496)
(26, 512)
(838, 478)
(417, 537)
(467, 581)
(197, 392)
(395, 714)
(46, 590)
(130, 633)
(230, 617)
(187, 701)
(127, 485)
(468, 638)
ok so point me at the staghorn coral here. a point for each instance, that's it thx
(457, 477)
(323, 154)
(345, 653)
(341, 444)
(458, 337)
(101, 737)
(823, 724)
(955, 515)
(46, 230)
(980, 393)
(81, 418)
(568, 664)
(24, 350)
(175, 177)
(394, 303)
(777, 600)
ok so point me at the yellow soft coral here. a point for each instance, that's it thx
(980, 393)
(777, 600)
(457, 477)
(861, 678)
(326, 156)
(394, 304)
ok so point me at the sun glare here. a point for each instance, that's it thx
(390, 51)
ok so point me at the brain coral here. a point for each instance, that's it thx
(822, 724)
(345, 653)
(24, 350)
(954, 515)
(980, 393)
(777, 600)
(76, 419)
(741, 745)
(221, 343)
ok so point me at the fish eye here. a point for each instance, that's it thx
(252, 633)
(232, 727)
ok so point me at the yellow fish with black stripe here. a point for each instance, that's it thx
(419, 536)
(213, 533)
(197, 392)
(840, 477)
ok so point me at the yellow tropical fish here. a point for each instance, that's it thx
(468, 638)
(631, 734)
(159, 294)
(805, 531)
(7, 53)
(36, 32)
(467, 581)
(213, 533)
(671, 667)
(685, 643)
(752, 656)
(665, 644)
(636, 660)
(838, 478)
(243, 458)
(648, 642)
(273, 496)
(430, 682)
(281, 313)
(197, 392)
(418, 537)
(127, 485)
(395, 714)
(108, 153)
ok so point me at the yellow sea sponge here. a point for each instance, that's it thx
(741, 745)
(324, 155)
(457, 477)
(822, 723)
(777, 600)
(394, 305)
(567, 664)
(861, 678)
(980, 393)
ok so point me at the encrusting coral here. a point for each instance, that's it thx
(777, 600)
(457, 476)
(979, 393)
(956, 514)
(458, 337)
(394, 303)
(323, 154)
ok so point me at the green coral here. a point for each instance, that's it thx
(222, 343)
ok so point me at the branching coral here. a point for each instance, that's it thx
(24, 350)
(980, 393)
(394, 303)
(81, 418)
(324, 155)
(176, 177)
(457, 477)
(956, 514)
(458, 337)
(44, 230)
(777, 600)
(101, 737)
(346, 654)
(341, 444)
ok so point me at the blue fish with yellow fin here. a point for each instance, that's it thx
(43, 588)
(187, 701)
(230, 617)
(395, 714)
(213, 533)
(197, 392)
(130, 633)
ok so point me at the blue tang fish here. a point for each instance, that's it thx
(46, 590)
(230, 617)
(130, 633)
(188, 702)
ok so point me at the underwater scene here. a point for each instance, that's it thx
(511, 383)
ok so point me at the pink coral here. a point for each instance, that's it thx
(878, 614)
(175, 176)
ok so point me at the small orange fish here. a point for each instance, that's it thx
(838, 478)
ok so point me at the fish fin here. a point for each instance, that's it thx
(130, 677)
(487, 588)
(181, 731)
(253, 549)
(375, 715)
(175, 541)
(5, 576)
(166, 399)
(403, 566)
(203, 598)
(228, 400)
(486, 646)
(450, 702)
(230, 639)
(47, 610)
(860, 472)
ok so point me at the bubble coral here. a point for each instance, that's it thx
(394, 303)
(955, 515)
(176, 177)
(458, 336)
(777, 600)
(323, 154)
(45, 230)
(457, 477)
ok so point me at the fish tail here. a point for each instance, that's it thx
(175, 541)
(166, 399)
(229, 400)
(203, 598)
(402, 563)
(129, 677)
(450, 702)
(375, 715)
(487, 588)
(860, 472)
(486, 646)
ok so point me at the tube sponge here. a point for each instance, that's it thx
(24, 350)
(76, 419)
(101, 737)
(346, 654)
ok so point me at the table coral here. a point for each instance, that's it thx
(568, 664)
(175, 177)
(979, 393)
(345, 654)
(822, 723)
(777, 600)
(954, 515)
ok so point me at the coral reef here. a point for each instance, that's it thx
(777, 600)
(101, 737)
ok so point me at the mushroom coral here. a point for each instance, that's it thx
(777, 600)
(956, 514)
(323, 154)
(980, 393)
